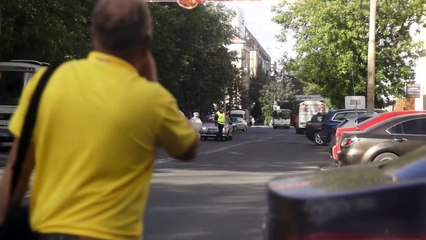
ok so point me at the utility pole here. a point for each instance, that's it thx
(371, 83)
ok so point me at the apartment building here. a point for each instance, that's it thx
(250, 53)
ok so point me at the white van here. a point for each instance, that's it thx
(305, 111)
(13, 77)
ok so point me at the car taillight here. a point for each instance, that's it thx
(349, 141)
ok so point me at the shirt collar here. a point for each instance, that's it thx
(110, 59)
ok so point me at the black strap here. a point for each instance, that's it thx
(27, 128)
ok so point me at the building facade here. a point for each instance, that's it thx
(250, 53)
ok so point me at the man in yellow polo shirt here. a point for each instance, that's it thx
(100, 120)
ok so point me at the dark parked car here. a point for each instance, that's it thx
(347, 123)
(361, 202)
(385, 141)
(377, 118)
(313, 128)
(334, 117)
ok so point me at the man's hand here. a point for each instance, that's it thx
(148, 68)
(191, 153)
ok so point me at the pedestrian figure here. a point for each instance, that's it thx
(196, 121)
(99, 122)
(220, 120)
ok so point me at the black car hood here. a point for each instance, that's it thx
(381, 198)
(327, 183)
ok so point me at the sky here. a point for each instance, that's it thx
(258, 17)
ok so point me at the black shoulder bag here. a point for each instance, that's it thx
(16, 224)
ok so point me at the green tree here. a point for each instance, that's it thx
(332, 43)
(280, 89)
(189, 45)
(190, 48)
(47, 30)
(237, 93)
(256, 83)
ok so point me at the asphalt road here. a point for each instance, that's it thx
(222, 194)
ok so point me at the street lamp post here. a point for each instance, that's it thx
(371, 58)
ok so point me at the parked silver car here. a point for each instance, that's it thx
(239, 124)
(209, 129)
(385, 141)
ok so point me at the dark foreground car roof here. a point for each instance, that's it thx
(381, 200)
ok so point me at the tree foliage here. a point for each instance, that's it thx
(192, 58)
(189, 45)
(332, 45)
(280, 89)
(238, 94)
(48, 30)
(256, 83)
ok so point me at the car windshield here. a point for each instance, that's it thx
(364, 119)
(281, 114)
(350, 122)
(209, 118)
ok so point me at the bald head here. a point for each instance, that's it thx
(121, 26)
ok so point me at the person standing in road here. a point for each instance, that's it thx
(220, 120)
(99, 123)
(196, 121)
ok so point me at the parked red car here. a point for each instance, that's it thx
(364, 125)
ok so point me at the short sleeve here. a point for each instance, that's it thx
(18, 117)
(176, 133)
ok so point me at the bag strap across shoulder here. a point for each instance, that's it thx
(27, 129)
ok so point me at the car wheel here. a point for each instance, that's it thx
(317, 139)
(385, 157)
(244, 129)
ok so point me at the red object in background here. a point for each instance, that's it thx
(188, 4)
(292, 120)
(364, 125)
(201, 1)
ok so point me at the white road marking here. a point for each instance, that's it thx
(210, 151)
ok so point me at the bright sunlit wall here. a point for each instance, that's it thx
(420, 103)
